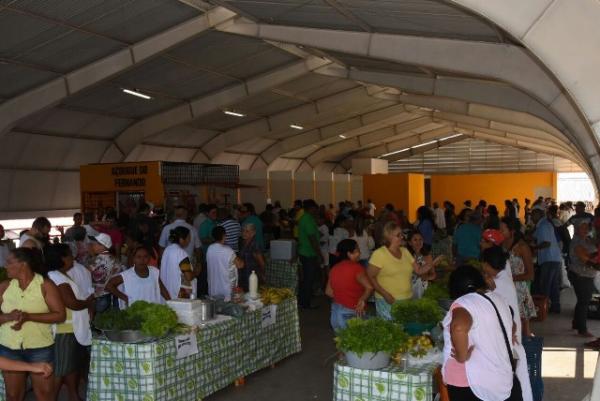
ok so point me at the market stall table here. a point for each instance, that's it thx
(282, 273)
(388, 384)
(227, 351)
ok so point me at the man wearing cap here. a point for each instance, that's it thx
(104, 266)
(549, 257)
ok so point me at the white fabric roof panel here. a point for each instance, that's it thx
(132, 21)
(313, 13)
(419, 17)
(111, 100)
(267, 103)
(152, 152)
(182, 135)
(66, 52)
(74, 123)
(60, 191)
(220, 121)
(254, 146)
(171, 78)
(244, 58)
(15, 79)
(21, 33)
(315, 86)
(244, 161)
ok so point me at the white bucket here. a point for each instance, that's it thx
(368, 360)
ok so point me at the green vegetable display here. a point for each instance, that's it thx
(373, 335)
(114, 319)
(436, 291)
(157, 320)
(424, 310)
(152, 319)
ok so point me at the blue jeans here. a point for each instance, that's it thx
(340, 315)
(384, 310)
(550, 275)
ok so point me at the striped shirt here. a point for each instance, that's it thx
(233, 232)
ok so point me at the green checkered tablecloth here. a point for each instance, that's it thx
(282, 273)
(389, 384)
(227, 350)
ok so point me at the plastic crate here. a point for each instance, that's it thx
(533, 350)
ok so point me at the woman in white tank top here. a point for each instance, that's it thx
(138, 283)
(476, 364)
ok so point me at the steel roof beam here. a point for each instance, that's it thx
(134, 135)
(280, 122)
(53, 92)
(507, 63)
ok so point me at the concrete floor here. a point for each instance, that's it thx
(567, 368)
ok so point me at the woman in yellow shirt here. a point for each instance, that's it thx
(30, 304)
(390, 270)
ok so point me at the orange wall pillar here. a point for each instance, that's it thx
(405, 191)
(495, 188)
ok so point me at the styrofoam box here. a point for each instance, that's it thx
(283, 249)
(191, 318)
(184, 305)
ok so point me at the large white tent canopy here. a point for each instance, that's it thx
(397, 79)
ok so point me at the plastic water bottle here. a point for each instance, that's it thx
(253, 285)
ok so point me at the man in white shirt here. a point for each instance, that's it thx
(438, 214)
(194, 245)
(371, 207)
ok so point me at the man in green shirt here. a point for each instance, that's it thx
(308, 251)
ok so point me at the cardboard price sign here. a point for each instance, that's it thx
(186, 345)
(269, 316)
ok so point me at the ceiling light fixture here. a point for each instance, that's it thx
(423, 144)
(393, 153)
(136, 93)
(450, 137)
(342, 136)
(295, 126)
(233, 113)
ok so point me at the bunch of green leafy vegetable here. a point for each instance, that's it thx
(436, 291)
(372, 335)
(157, 320)
(152, 319)
(114, 319)
(424, 311)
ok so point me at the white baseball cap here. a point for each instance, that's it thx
(102, 239)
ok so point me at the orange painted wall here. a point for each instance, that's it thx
(493, 187)
(405, 191)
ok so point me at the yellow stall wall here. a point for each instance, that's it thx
(124, 177)
(405, 191)
(495, 188)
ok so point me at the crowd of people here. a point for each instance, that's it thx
(355, 253)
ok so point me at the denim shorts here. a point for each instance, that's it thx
(340, 315)
(30, 355)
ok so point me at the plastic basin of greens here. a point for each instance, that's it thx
(415, 329)
(368, 360)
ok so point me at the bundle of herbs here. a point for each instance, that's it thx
(424, 311)
(152, 319)
(372, 335)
